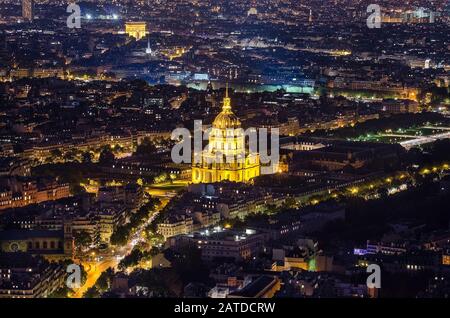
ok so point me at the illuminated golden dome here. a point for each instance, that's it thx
(226, 118)
(226, 157)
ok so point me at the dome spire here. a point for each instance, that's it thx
(226, 101)
(226, 118)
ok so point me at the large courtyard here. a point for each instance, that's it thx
(408, 137)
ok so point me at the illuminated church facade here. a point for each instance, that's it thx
(226, 158)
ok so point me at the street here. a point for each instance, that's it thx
(95, 269)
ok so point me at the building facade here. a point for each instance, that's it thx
(137, 30)
(28, 10)
(225, 157)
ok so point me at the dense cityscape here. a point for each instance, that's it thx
(101, 198)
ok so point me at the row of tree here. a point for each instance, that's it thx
(122, 233)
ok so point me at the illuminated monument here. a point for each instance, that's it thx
(136, 30)
(28, 10)
(226, 157)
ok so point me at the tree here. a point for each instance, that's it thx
(290, 203)
(104, 281)
(120, 235)
(76, 189)
(160, 282)
(146, 148)
(131, 259)
(92, 292)
(154, 238)
(154, 251)
(61, 292)
(117, 149)
(70, 155)
(82, 238)
(56, 153)
(106, 156)
(87, 157)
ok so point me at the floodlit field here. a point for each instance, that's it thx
(405, 135)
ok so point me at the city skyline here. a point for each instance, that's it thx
(234, 150)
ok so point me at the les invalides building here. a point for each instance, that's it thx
(226, 157)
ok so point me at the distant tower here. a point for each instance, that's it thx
(28, 10)
(69, 244)
(210, 95)
(148, 50)
(209, 88)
